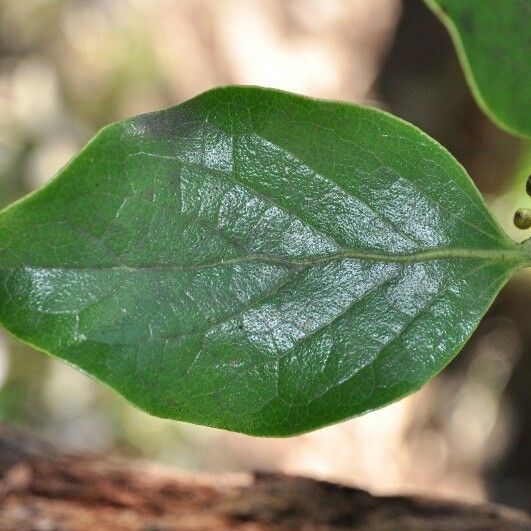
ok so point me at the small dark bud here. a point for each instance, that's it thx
(522, 218)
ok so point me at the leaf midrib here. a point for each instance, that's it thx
(517, 257)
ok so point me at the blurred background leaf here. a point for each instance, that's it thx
(492, 42)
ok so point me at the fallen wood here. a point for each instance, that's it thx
(43, 490)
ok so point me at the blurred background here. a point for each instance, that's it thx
(68, 67)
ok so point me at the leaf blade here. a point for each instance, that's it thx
(215, 266)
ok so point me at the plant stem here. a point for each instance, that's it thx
(527, 250)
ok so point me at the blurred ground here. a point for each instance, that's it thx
(69, 67)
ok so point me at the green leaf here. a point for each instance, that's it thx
(255, 260)
(493, 41)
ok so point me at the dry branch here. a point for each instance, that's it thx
(43, 490)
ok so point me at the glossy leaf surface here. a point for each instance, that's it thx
(255, 260)
(493, 41)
